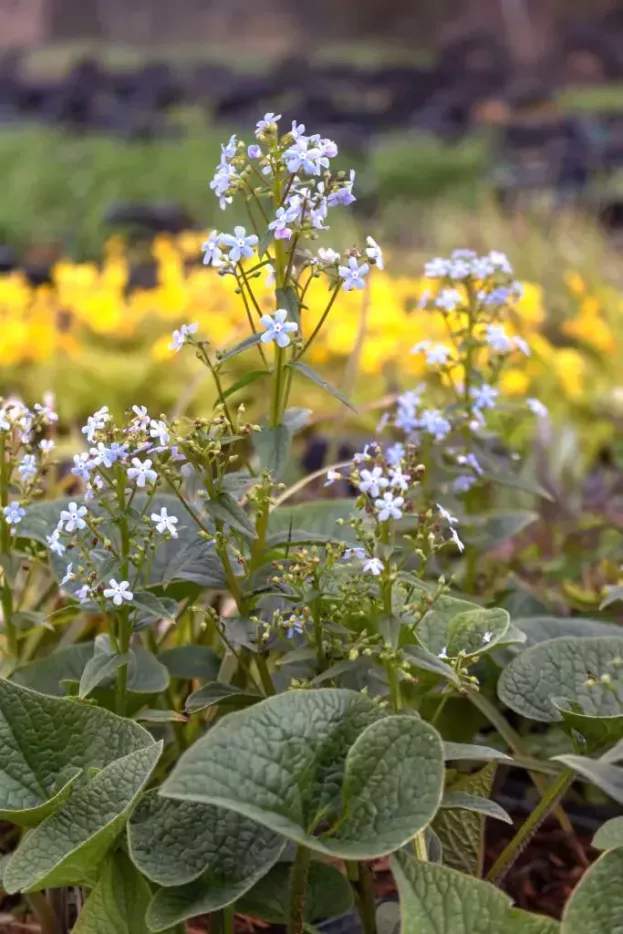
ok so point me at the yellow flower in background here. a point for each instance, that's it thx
(574, 282)
(515, 382)
(570, 368)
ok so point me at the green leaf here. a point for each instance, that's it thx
(319, 380)
(311, 522)
(561, 680)
(603, 774)
(100, 667)
(118, 902)
(328, 895)
(225, 509)
(153, 608)
(613, 595)
(187, 662)
(610, 835)
(296, 418)
(474, 632)
(47, 743)
(475, 803)
(435, 899)
(492, 529)
(273, 447)
(249, 341)
(422, 658)
(496, 470)
(160, 716)
(457, 751)
(596, 904)
(544, 628)
(69, 845)
(205, 857)
(288, 299)
(176, 842)
(45, 674)
(343, 779)
(251, 376)
(462, 833)
(218, 694)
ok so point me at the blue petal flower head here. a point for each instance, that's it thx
(278, 328)
(269, 121)
(280, 225)
(353, 274)
(484, 396)
(240, 245)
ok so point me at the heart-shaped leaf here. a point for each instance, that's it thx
(322, 767)
(205, 857)
(578, 680)
(610, 835)
(175, 842)
(543, 628)
(273, 446)
(311, 522)
(596, 905)
(435, 899)
(472, 632)
(47, 743)
(187, 662)
(328, 895)
(118, 902)
(70, 844)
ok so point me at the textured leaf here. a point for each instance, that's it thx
(596, 905)
(610, 835)
(187, 662)
(160, 716)
(323, 762)
(328, 895)
(47, 742)
(467, 801)
(117, 903)
(474, 631)
(561, 679)
(100, 667)
(421, 658)
(175, 842)
(69, 845)
(216, 693)
(606, 776)
(435, 899)
(319, 380)
(544, 628)
(462, 833)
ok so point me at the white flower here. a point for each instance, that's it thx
(47, 412)
(180, 337)
(332, 476)
(69, 575)
(448, 299)
(444, 652)
(328, 256)
(141, 472)
(437, 268)
(13, 513)
(537, 408)
(457, 541)
(118, 592)
(436, 354)
(84, 593)
(373, 566)
(487, 637)
(500, 261)
(355, 552)
(270, 278)
(240, 245)
(278, 328)
(389, 507)
(28, 467)
(54, 543)
(141, 419)
(47, 446)
(158, 429)
(164, 522)
(373, 481)
(96, 422)
(435, 424)
(450, 519)
(374, 253)
(399, 479)
(71, 518)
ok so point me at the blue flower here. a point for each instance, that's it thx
(434, 423)
(353, 274)
(141, 472)
(269, 122)
(13, 513)
(395, 453)
(484, 396)
(179, 338)
(278, 329)
(373, 566)
(537, 408)
(28, 467)
(448, 299)
(72, 518)
(213, 255)
(241, 245)
(389, 507)
(280, 225)
(254, 151)
(295, 624)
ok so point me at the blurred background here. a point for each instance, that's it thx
(492, 124)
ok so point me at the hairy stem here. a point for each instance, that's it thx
(44, 913)
(298, 884)
(551, 797)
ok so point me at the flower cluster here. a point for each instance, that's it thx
(26, 445)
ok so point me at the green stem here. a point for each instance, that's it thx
(44, 913)
(264, 673)
(298, 884)
(553, 793)
(419, 847)
(5, 540)
(362, 882)
(124, 628)
(275, 405)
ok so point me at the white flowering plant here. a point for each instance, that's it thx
(225, 701)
